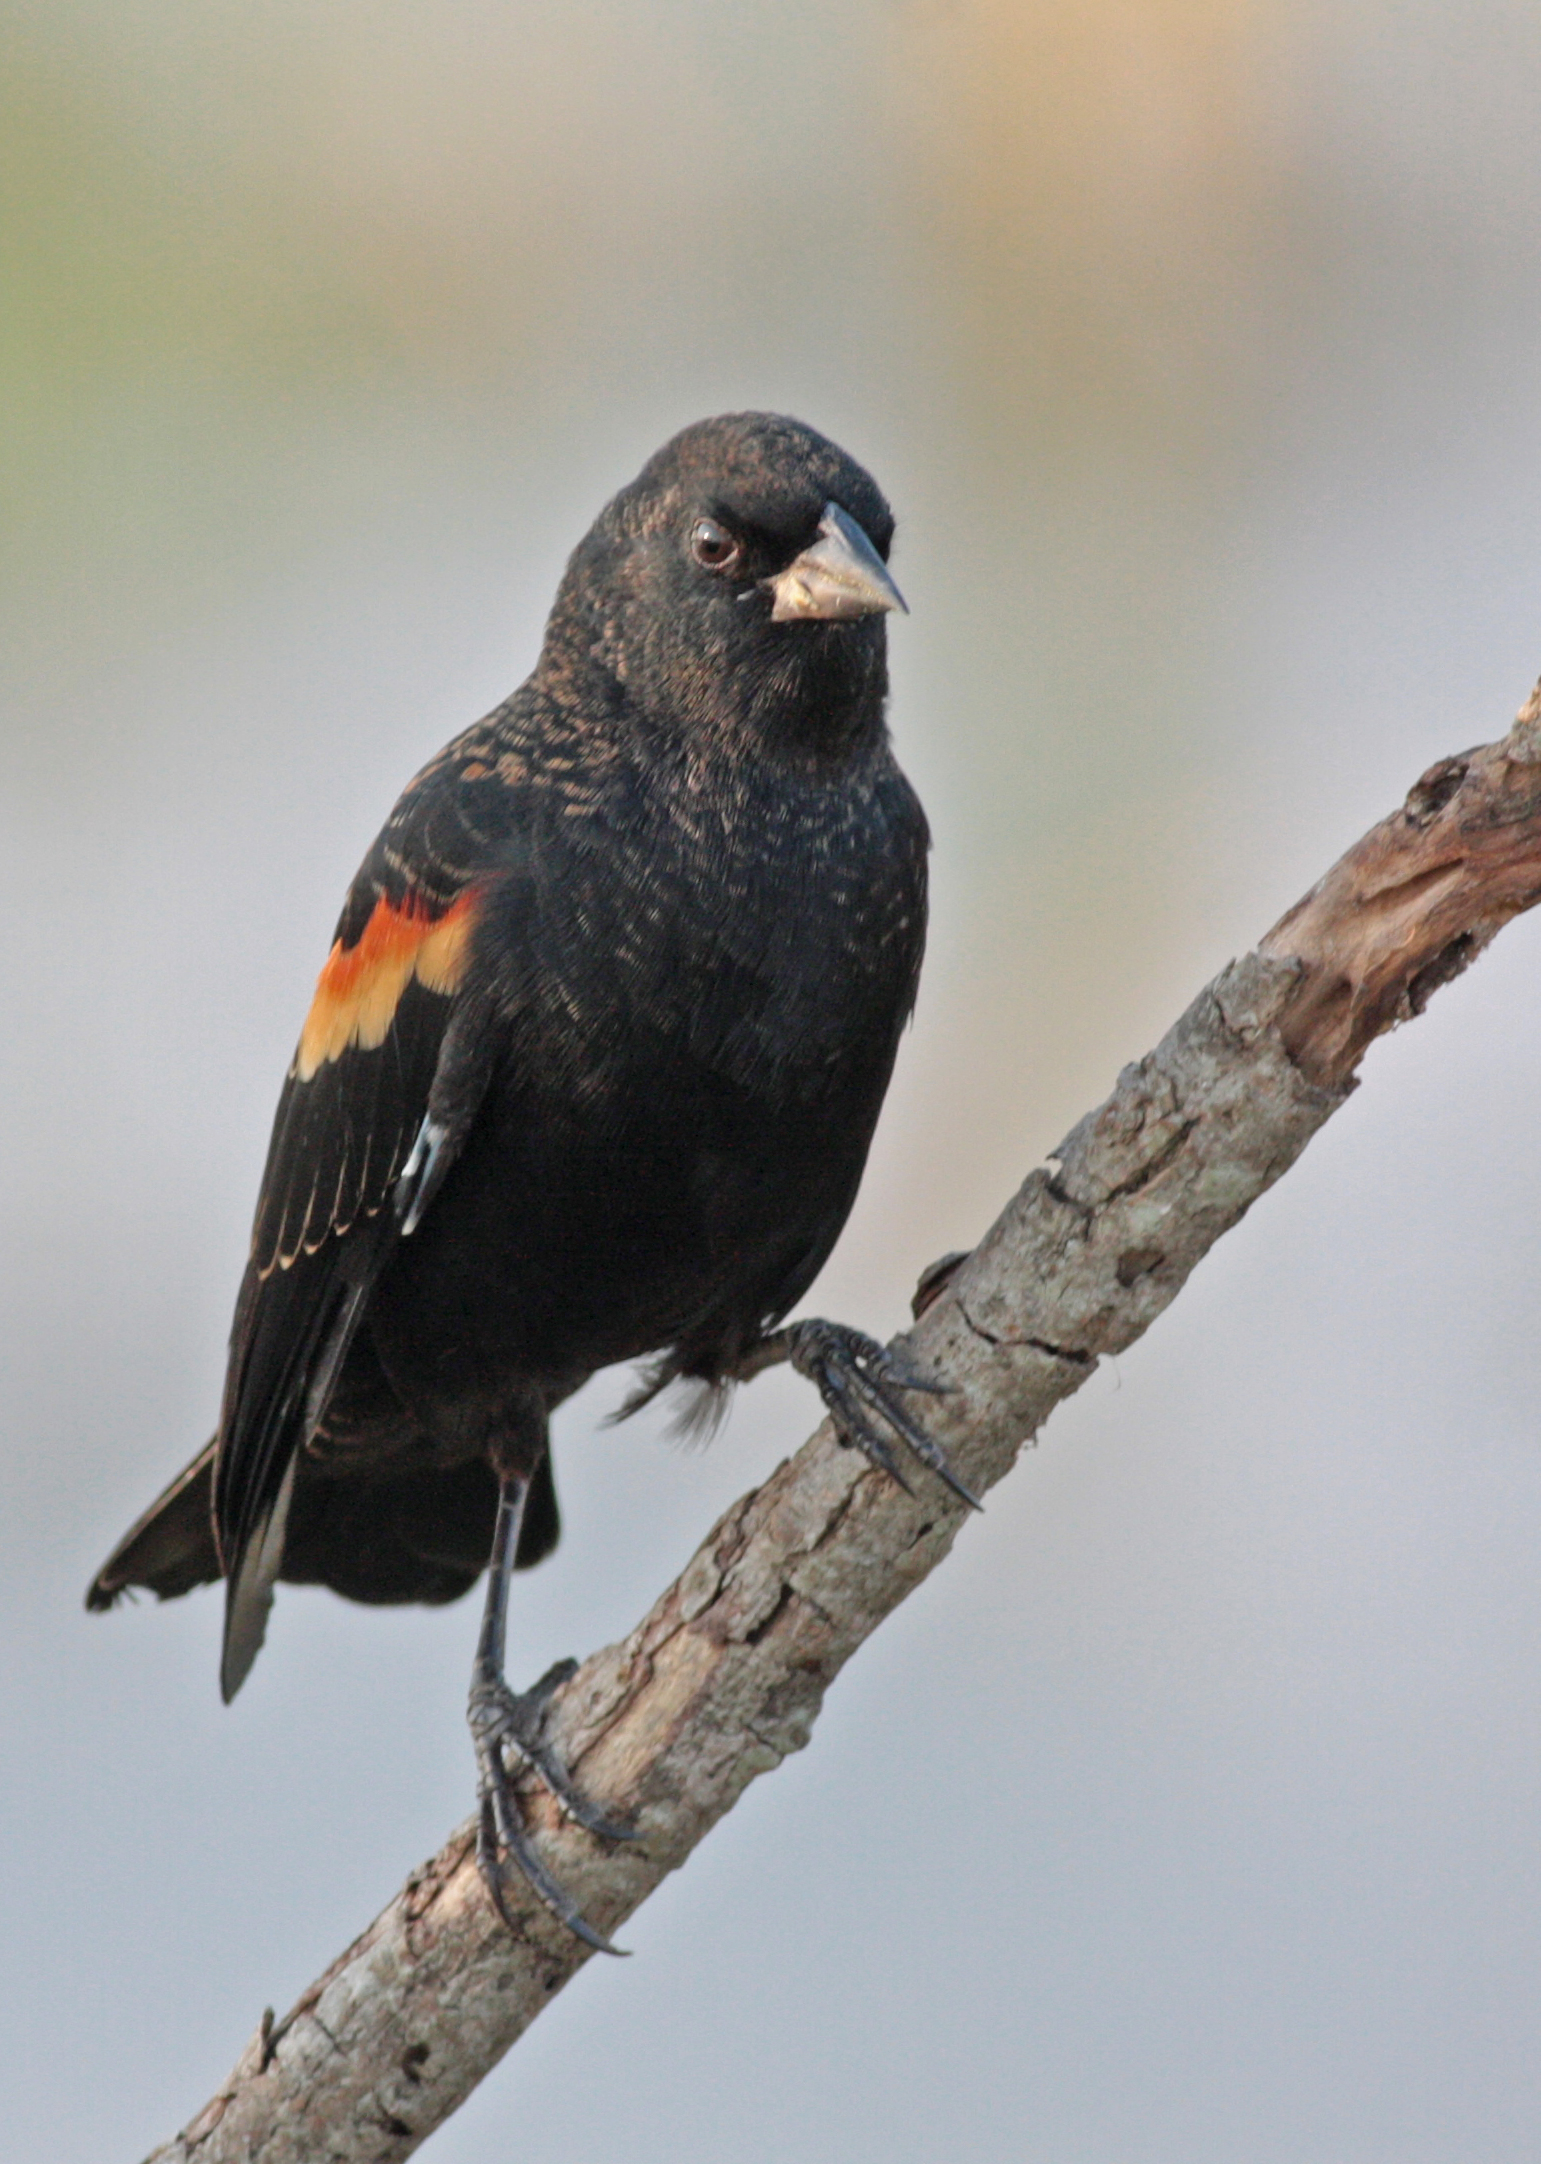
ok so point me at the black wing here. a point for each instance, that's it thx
(360, 1141)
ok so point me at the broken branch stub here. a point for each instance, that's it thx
(1415, 901)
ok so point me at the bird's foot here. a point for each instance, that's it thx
(508, 1725)
(857, 1378)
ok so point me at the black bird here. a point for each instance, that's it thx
(590, 1073)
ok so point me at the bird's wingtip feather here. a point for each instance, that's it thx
(250, 1593)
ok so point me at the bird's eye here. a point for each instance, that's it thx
(713, 547)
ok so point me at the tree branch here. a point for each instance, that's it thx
(725, 1676)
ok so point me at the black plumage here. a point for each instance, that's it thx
(591, 1072)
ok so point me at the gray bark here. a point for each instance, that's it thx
(727, 1672)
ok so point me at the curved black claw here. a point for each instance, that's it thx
(856, 1377)
(503, 1724)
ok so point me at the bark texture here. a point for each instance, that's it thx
(726, 1674)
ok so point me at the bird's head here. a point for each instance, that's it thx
(739, 583)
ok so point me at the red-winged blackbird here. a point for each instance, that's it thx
(590, 1072)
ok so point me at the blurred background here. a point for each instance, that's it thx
(1191, 1812)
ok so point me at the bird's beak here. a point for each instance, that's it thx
(841, 575)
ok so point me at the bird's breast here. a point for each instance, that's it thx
(701, 1004)
(768, 933)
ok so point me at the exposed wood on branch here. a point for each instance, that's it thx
(726, 1674)
(1415, 901)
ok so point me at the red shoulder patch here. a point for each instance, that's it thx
(360, 987)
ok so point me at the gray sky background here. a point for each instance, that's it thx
(1191, 1812)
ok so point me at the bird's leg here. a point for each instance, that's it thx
(508, 1724)
(857, 1378)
